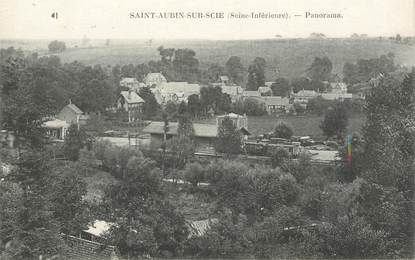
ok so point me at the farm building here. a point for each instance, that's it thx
(132, 103)
(71, 114)
(205, 134)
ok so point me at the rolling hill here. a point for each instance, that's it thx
(291, 57)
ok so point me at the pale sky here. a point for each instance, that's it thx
(31, 19)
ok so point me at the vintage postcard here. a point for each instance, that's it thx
(222, 129)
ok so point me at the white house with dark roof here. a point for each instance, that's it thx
(132, 103)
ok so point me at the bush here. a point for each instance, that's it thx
(283, 130)
(194, 173)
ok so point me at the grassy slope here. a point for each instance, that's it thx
(291, 56)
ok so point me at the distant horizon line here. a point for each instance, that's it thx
(360, 36)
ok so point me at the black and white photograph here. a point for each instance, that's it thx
(207, 130)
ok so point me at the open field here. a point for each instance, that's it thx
(302, 125)
(290, 56)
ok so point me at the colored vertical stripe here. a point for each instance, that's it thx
(349, 149)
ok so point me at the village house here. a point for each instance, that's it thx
(154, 79)
(131, 103)
(131, 84)
(175, 91)
(276, 104)
(205, 134)
(57, 126)
(71, 114)
(250, 93)
(234, 92)
(265, 91)
(337, 87)
(303, 96)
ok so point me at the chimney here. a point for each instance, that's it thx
(129, 94)
(70, 101)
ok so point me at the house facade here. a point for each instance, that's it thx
(131, 103)
(235, 92)
(154, 79)
(71, 114)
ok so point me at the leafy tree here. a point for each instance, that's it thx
(210, 97)
(335, 121)
(253, 107)
(151, 107)
(281, 87)
(256, 74)
(73, 143)
(56, 46)
(320, 69)
(229, 140)
(139, 206)
(185, 65)
(214, 72)
(194, 173)
(89, 101)
(283, 130)
(318, 105)
(66, 195)
(365, 69)
(235, 70)
(279, 157)
(193, 105)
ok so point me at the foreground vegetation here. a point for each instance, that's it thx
(359, 208)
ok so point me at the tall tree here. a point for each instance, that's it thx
(235, 70)
(229, 140)
(281, 87)
(151, 107)
(335, 121)
(320, 69)
(256, 74)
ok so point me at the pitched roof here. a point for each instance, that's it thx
(176, 87)
(251, 93)
(231, 115)
(129, 80)
(55, 124)
(131, 97)
(201, 130)
(74, 108)
(264, 89)
(232, 90)
(306, 93)
(276, 101)
(154, 77)
(99, 228)
(200, 227)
